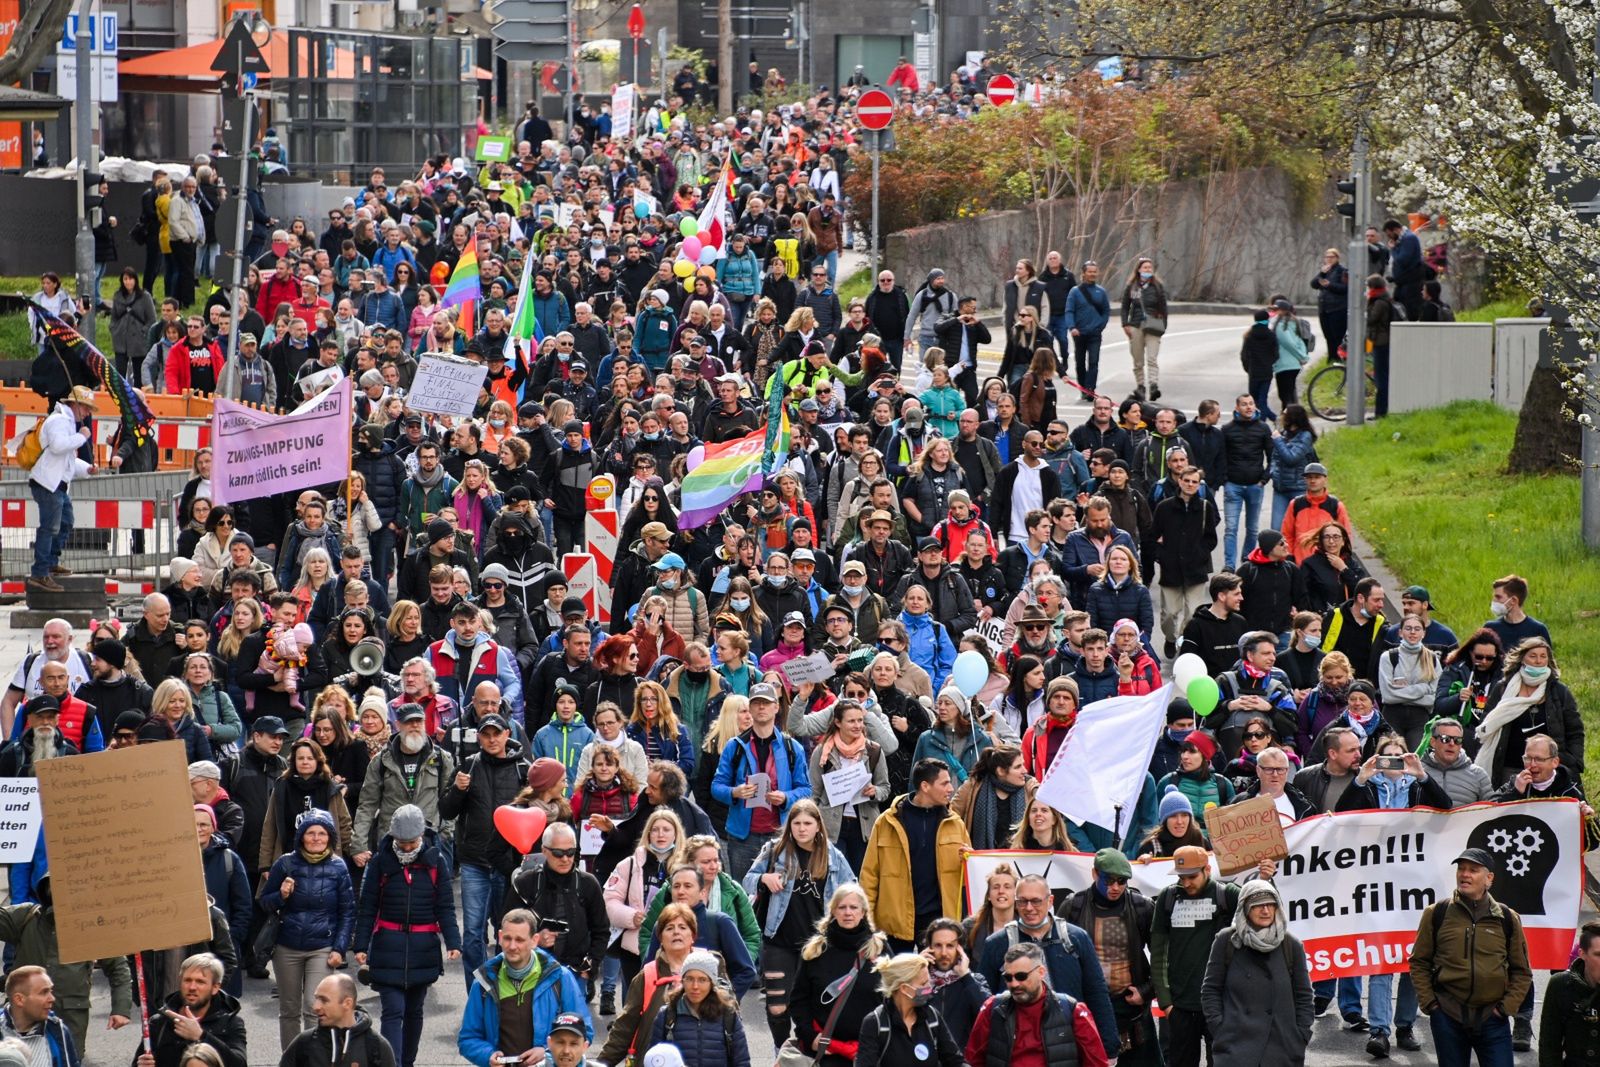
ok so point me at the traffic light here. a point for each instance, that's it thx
(92, 200)
(1348, 187)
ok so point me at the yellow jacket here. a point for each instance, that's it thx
(163, 205)
(886, 872)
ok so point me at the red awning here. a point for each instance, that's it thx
(193, 64)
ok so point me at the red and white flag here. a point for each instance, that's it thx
(715, 221)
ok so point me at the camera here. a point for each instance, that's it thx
(1391, 763)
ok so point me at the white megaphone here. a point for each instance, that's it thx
(366, 659)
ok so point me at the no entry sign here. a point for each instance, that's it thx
(875, 109)
(1002, 89)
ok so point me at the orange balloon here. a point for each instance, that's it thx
(440, 273)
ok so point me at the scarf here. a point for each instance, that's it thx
(985, 806)
(1511, 708)
(377, 742)
(1243, 934)
(839, 937)
(315, 857)
(1252, 673)
(425, 480)
(834, 743)
(939, 979)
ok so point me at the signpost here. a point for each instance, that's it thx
(238, 58)
(875, 110)
(1002, 90)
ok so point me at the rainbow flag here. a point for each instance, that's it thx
(720, 473)
(464, 288)
(135, 415)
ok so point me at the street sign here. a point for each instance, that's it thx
(521, 52)
(239, 53)
(1002, 89)
(102, 35)
(636, 22)
(544, 12)
(875, 109)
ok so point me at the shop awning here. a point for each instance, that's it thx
(192, 65)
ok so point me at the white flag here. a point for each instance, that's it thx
(1101, 766)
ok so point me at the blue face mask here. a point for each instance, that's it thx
(739, 603)
(853, 590)
(668, 584)
(1177, 736)
(652, 435)
(1534, 674)
(1312, 640)
(776, 580)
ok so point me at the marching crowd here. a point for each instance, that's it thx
(763, 774)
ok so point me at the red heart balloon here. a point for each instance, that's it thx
(522, 827)
(280, 248)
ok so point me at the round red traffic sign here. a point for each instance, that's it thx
(875, 109)
(1002, 89)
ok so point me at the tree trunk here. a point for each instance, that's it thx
(1548, 438)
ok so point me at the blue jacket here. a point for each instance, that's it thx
(679, 750)
(653, 332)
(321, 912)
(839, 873)
(1093, 687)
(1107, 603)
(720, 934)
(553, 314)
(739, 761)
(289, 557)
(390, 259)
(63, 1050)
(935, 743)
(1088, 311)
(385, 476)
(412, 896)
(1074, 970)
(228, 884)
(564, 742)
(929, 647)
(505, 671)
(740, 275)
(385, 309)
(558, 990)
(703, 1042)
(1289, 458)
(1078, 554)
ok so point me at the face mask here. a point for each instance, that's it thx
(406, 856)
(921, 997)
(1177, 736)
(563, 356)
(1498, 609)
(653, 435)
(1311, 640)
(739, 603)
(776, 580)
(1534, 675)
(853, 590)
(668, 584)
(662, 850)
(1411, 646)
(1145, 275)
(497, 423)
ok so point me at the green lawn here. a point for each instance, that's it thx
(14, 339)
(1499, 309)
(858, 284)
(1429, 490)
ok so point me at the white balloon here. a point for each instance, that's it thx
(1186, 668)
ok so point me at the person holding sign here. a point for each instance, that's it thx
(31, 929)
(199, 1012)
(854, 774)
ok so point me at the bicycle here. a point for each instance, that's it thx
(1325, 392)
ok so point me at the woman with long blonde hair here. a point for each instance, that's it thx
(655, 725)
(636, 880)
(845, 941)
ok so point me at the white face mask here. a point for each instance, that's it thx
(1498, 608)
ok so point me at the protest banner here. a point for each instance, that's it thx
(817, 667)
(257, 453)
(19, 825)
(445, 385)
(124, 859)
(622, 108)
(1355, 884)
(1244, 834)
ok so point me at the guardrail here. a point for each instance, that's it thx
(123, 523)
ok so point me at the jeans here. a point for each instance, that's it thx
(402, 1020)
(831, 261)
(737, 310)
(741, 854)
(568, 535)
(482, 889)
(547, 519)
(1381, 1008)
(1233, 496)
(893, 350)
(1455, 1043)
(1380, 374)
(778, 969)
(1261, 390)
(1086, 360)
(297, 972)
(381, 544)
(1349, 993)
(1058, 329)
(55, 525)
(610, 971)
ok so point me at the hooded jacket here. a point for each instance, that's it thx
(1185, 533)
(320, 913)
(358, 1046)
(486, 661)
(405, 911)
(1271, 590)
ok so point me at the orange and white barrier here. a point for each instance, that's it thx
(86, 514)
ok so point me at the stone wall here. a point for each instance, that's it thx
(1231, 238)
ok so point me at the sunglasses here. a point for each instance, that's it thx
(494, 585)
(1447, 739)
(1256, 735)
(1016, 977)
(561, 853)
(224, 522)
(1038, 626)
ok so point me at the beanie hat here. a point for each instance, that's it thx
(439, 530)
(1204, 742)
(179, 567)
(205, 809)
(1268, 540)
(128, 720)
(112, 651)
(703, 961)
(950, 692)
(1180, 708)
(408, 823)
(1174, 802)
(375, 701)
(545, 772)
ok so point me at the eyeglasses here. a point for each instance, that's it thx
(494, 585)
(1447, 739)
(1032, 902)
(1015, 977)
(1256, 735)
(1272, 770)
(561, 853)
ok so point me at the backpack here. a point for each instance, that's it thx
(1060, 925)
(31, 447)
(881, 1017)
(1219, 891)
(1329, 503)
(1307, 334)
(1439, 915)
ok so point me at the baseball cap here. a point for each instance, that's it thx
(271, 724)
(855, 566)
(763, 691)
(802, 555)
(409, 713)
(1416, 592)
(570, 1021)
(655, 531)
(924, 544)
(573, 605)
(1475, 855)
(794, 618)
(1316, 468)
(492, 722)
(670, 561)
(1192, 859)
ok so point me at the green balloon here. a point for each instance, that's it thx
(689, 226)
(1203, 695)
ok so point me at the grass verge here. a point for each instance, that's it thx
(1429, 491)
(15, 341)
(858, 284)
(1498, 309)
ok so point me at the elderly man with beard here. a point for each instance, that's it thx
(411, 769)
(41, 739)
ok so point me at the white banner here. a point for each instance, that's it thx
(1355, 884)
(19, 826)
(445, 385)
(622, 105)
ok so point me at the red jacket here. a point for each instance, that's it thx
(307, 313)
(905, 76)
(74, 717)
(178, 369)
(953, 536)
(1146, 677)
(274, 291)
(1036, 742)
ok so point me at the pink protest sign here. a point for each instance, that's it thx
(256, 453)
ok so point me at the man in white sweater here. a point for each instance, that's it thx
(65, 430)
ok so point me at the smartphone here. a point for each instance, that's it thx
(1391, 763)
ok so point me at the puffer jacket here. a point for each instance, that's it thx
(687, 611)
(405, 910)
(702, 1042)
(385, 474)
(929, 647)
(1289, 458)
(1107, 603)
(321, 912)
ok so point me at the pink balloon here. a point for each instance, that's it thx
(280, 248)
(691, 248)
(522, 827)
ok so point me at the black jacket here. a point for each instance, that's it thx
(1000, 498)
(1214, 640)
(221, 1027)
(1185, 535)
(1206, 450)
(359, 1046)
(312, 677)
(1297, 800)
(1272, 590)
(575, 899)
(1424, 793)
(494, 782)
(952, 598)
(251, 788)
(1259, 351)
(1247, 450)
(887, 312)
(513, 629)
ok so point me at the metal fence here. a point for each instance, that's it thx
(122, 523)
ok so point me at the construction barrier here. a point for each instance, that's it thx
(601, 530)
(121, 523)
(183, 425)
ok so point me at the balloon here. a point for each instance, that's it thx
(522, 827)
(688, 285)
(691, 248)
(280, 248)
(440, 274)
(682, 268)
(708, 256)
(1203, 695)
(971, 671)
(689, 226)
(641, 210)
(1186, 668)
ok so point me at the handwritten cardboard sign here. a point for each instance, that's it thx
(124, 858)
(444, 385)
(19, 825)
(1244, 834)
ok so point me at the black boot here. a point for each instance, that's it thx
(608, 1002)
(1378, 1046)
(1406, 1039)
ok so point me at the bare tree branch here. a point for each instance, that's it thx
(37, 30)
